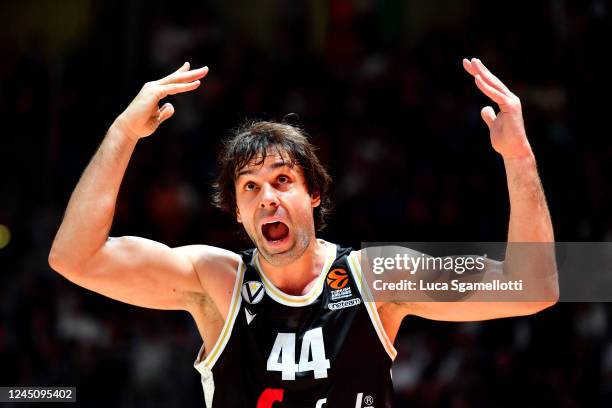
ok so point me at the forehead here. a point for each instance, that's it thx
(273, 160)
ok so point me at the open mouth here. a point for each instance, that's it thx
(275, 231)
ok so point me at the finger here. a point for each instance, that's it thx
(488, 115)
(182, 77)
(185, 67)
(165, 112)
(172, 89)
(467, 65)
(182, 68)
(488, 77)
(181, 72)
(491, 92)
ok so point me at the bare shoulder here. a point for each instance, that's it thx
(211, 263)
(358, 257)
(390, 313)
(208, 256)
(216, 269)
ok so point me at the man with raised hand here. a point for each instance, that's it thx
(287, 321)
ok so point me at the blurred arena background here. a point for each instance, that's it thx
(380, 88)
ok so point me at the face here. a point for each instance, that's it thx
(275, 209)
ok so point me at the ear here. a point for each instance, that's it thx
(238, 217)
(315, 199)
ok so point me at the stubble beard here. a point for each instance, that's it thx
(300, 244)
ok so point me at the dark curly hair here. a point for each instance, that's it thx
(254, 140)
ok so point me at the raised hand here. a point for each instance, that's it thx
(506, 128)
(143, 116)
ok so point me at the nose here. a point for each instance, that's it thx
(269, 197)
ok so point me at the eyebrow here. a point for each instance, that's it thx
(274, 166)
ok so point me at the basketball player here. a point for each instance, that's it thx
(285, 323)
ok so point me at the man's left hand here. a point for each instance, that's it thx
(507, 130)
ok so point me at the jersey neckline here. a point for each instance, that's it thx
(312, 294)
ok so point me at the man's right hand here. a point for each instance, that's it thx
(143, 115)
(139, 271)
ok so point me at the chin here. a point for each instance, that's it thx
(280, 255)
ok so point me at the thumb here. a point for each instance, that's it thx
(166, 112)
(488, 115)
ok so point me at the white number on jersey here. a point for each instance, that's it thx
(313, 343)
(284, 346)
(282, 356)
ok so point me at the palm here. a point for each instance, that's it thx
(145, 113)
(508, 136)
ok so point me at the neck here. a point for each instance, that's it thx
(297, 277)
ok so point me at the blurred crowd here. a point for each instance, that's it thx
(380, 89)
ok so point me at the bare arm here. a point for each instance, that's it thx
(529, 217)
(130, 269)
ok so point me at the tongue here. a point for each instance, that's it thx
(277, 231)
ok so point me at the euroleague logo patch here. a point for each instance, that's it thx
(337, 278)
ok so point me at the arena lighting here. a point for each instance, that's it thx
(5, 236)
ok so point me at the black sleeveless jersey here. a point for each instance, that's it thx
(323, 349)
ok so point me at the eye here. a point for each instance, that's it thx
(250, 186)
(282, 179)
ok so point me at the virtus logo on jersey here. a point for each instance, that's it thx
(253, 292)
